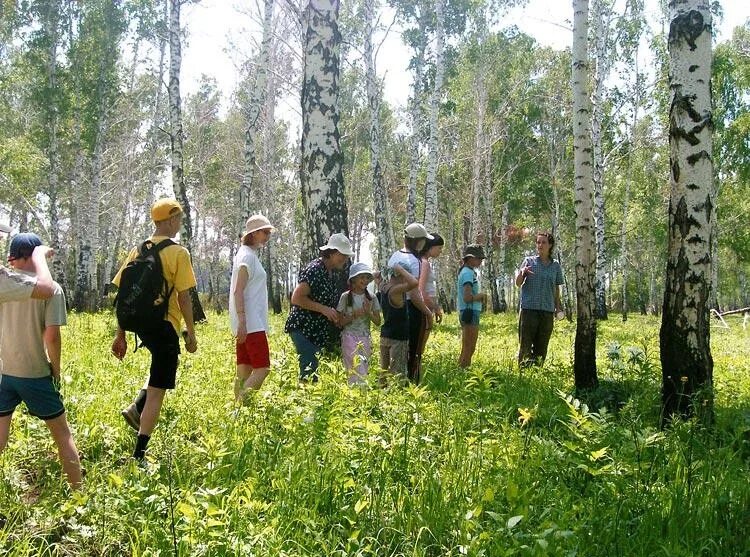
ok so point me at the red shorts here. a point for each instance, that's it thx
(254, 351)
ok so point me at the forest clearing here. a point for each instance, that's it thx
(622, 157)
(483, 462)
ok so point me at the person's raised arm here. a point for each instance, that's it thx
(44, 288)
(409, 283)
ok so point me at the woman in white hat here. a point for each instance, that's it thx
(313, 320)
(248, 308)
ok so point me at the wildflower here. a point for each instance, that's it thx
(525, 416)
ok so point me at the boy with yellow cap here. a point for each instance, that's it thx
(163, 341)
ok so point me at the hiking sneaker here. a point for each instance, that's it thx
(132, 417)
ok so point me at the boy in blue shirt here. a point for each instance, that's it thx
(469, 301)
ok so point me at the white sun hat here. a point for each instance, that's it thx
(360, 268)
(340, 243)
(416, 231)
(257, 222)
(5, 228)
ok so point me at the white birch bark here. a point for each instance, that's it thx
(431, 193)
(480, 196)
(248, 197)
(415, 116)
(386, 242)
(602, 16)
(585, 343)
(321, 172)
(687, 364)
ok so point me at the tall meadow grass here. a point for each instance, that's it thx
(488, 461)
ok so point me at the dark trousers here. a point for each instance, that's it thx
(417, 329)
(534, 332)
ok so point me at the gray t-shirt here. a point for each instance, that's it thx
(361, 325)
(22, 325)
(408, 261)
(15, 285)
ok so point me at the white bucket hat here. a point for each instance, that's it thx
(360, 268)
(340, 243)
(417, 231)
(5, 228)
(257, 222)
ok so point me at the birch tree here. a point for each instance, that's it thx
(687, 364)
(321, 171)
(255, 107)
(176, 136)
(584, 366)
(431, 192)
(386, 242)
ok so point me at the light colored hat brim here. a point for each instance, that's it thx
(338, 249)
(264, 227)
(5, 228)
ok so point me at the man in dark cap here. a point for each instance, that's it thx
(30, 345)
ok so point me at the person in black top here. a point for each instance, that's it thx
(394, 334)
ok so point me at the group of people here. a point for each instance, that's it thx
(405, 306)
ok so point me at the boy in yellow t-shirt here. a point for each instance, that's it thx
(163, 342)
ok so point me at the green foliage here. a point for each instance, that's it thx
(484, 462)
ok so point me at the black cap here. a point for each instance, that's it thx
(474, 250)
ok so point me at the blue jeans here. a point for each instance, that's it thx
(307, 352)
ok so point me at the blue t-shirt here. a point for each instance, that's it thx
(467, 275)
(538, 290)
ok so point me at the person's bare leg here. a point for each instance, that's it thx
(256, 378)
(4, 431)
(66, 449)
(243, 374)
(469, 335)
(150, 414)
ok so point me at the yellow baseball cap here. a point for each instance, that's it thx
(165, 208)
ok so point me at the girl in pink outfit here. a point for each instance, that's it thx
(358, 308)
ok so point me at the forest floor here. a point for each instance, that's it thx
(487, 461)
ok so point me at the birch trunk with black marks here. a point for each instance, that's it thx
(584, 366)
(431, 189)
(176, 142)
(386, 242)
(687, 364)
(602, 18)
(321, 171)
(249, 199)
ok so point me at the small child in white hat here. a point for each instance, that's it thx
(357, 308)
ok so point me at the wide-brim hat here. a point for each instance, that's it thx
(417, 231)
(5, 228)
(474, 250)
(257, 222)
(165, 208)
(340, 243)
(360, 269)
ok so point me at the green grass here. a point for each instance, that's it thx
(485, 462)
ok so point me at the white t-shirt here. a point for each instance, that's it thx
(255, 294)
(408, 261)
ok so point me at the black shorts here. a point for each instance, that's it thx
(164, 345)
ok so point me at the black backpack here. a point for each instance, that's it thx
(143, 296)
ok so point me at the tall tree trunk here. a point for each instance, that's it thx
(602, 15)
(584, 366)
(480, 198)
(386, 242)
(626, 194)
(321, 171)
(51, 24)
(176, 142)
(687, 365)
(415, 116)
(248, 197)
(430, 189)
